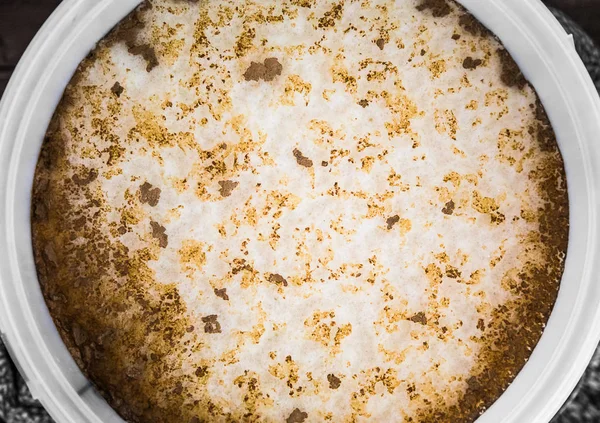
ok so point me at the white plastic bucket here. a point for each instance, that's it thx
(548, 59)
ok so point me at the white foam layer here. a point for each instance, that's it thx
(374, 208)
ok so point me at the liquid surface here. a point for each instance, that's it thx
(300, 211)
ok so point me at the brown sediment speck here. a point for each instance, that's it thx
(178, 388)
(332, 15)
(297, 416)
(301, 159)
(117, 89)
(303, 3)
(510, 73)
(40, 211)
(158, 232)
(456, 37)
(452, 272)
(380, 43)
(222, 293)
(148, 54)
(201, 371)
(89, 177)
(277, 279)
(438, 8)
(363, 103)
(448, 208)
(227, 187)
(470, 63)
(128, 31)
(334, 381)
(79, 335)
(437, 68)
(419, 318)
(324, 163)
(190, 329)
(472, 25)
(50, 253)
(484, 204)
(149, 195)
(266, 71)
(79, 223)
(211, 324)
(391, 221)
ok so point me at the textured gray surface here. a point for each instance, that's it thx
(16, 403)
(585, 12)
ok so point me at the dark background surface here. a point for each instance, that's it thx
(21, 19)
